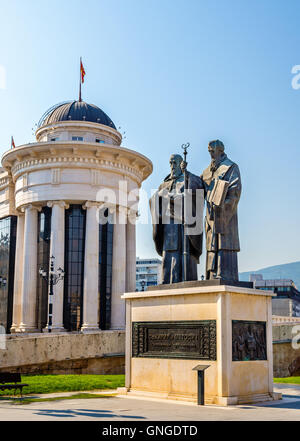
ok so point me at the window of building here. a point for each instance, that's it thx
(100, 141)
(8, 228)
(105, 272)
(142, 269)
(75, 219)
(282, 288)
(77, 138)
(54, 139)
(148, 262)
(43, 252)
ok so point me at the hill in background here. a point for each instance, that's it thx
(284, 271)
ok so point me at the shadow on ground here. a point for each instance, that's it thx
(289, 401)
(84, 412)
(295, 404)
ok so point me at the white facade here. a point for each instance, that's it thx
(148, 273)
(72, 162)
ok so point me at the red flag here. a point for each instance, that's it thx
(13, 146)
(82, 71)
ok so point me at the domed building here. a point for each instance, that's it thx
(54, 195)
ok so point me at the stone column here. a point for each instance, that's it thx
(91, 270)
(18, 274)
(28, 292)
(118, 270)
(131, 251)
(57, 249)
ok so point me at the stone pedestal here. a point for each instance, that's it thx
(171, 331)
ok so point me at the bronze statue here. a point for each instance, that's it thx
(168, 230)
(222, 188)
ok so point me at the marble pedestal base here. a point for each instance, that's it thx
(89, 329)
(54, 330)
(24, 329)
(156, 368)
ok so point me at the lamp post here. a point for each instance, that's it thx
(52, 279)
(143, 283)
(3, 281)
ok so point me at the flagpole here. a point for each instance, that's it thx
(80, 80)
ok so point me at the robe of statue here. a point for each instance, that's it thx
(221, 223)
(168, 238)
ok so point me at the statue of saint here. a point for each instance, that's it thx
(222, 188)
(166, 207)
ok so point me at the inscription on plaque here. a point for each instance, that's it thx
(176, 339)
(248, 340)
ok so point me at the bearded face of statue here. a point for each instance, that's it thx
(175, 161)
(216, 151)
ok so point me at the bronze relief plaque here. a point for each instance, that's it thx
(248, 340)
(175, 339)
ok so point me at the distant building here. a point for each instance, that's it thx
(148, 273)
(287, 300)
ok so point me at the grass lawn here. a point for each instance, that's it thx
(46, 384)
(290, 380)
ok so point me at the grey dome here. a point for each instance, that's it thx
(75, 111)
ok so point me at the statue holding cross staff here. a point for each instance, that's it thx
(176, 209)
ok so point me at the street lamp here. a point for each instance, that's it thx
(3, 281)
(52, 279)
(143, 283)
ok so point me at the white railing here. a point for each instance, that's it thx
(280, 319)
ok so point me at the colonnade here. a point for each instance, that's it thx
(25, 279)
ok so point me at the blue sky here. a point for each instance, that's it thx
(168, 72)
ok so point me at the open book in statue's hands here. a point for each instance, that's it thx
(218, 193)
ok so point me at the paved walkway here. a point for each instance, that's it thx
(136, 409)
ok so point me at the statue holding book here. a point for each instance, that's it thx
(222, 189)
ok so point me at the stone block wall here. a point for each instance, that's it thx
(286, 359)
(65, 353)
(103, 353)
